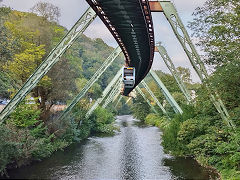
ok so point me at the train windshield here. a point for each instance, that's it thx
(129, 77)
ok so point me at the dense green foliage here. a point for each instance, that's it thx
(200, 132)
(33, 131)
(140, 108)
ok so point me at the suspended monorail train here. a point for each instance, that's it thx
(128, 77)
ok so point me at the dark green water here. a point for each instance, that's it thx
(135, 153)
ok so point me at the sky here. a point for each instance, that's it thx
(71, 11)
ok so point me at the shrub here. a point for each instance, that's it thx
(25, 115)
(102, 120)
(9, 150)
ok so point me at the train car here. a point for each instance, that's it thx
(128, 76)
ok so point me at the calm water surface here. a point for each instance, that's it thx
(134, 153)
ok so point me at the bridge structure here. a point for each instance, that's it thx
(130, 22)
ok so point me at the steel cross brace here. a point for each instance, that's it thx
(120, 98)
(94, 78)
(154, 97)
(167, 60)
(181, 33)
(145, 98)
(128, 100)
(117, 94)
(166, 93)
(112, 94)
(50, 60)
(105, 93)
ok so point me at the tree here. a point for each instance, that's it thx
(184, 74)
(216, 26)
(140, 108)
(47, 10)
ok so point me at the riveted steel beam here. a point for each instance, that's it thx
(119, 99)
(112, 94)
(166, 93)
(167, 60)
(94, 78)
(182, 35)
(105, 93)
(50, 60)
(154, 97)
(145, 98)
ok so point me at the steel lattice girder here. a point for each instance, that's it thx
(166, 93)
(167, 60)
(154, 97)
(145, 98)
(181, 33)
(105, 93)
(113, 93)
(94, 78)
(119, 99)
(51, 59)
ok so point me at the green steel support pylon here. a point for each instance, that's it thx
(145, 98)
(51, 59)
(119, 99)
(105, 93)
(128, 100)
(117, 94)
(162, 51)
(181, 33)
(154, 97)
(112, 94)
(166, 93)
(94, 78)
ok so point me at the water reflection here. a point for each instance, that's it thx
(135, 153)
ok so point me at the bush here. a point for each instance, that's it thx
(103, 121)
(25, 115)
(9, 150)
(161, 122)
(151, 119)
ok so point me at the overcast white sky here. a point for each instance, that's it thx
(71, 10)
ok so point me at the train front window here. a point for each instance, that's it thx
(128, 72)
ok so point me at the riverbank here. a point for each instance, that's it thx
(20, 146)
(184, 136)
(135, 152)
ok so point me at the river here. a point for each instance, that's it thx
(134, 153)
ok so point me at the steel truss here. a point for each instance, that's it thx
(50, 60)
(154, 97)
(94, 78)
(166, 93)
(181, 33)
(113, 93)
(119, 99)
(145, 98)
(105, 93)
(167, 60)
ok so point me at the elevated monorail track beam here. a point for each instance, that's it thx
(130, 23)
